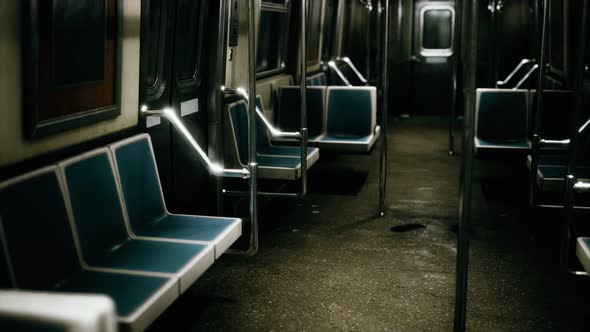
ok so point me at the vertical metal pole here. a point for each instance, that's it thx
(303, 88)
(574, 137)
(384, 111)
(467, 167)
(539, 106)
(252, 164)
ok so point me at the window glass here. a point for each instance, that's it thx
(556, 42)
(437, 29)
(189, 35)
(314, 27)
(272, 39)
(329, 24)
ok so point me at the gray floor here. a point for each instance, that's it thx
(330, 264)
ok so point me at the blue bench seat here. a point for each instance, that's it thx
(289, 111)
(274, 162)
(549, 160)
(101, 226)
(501, 121)
(44, 254)
(583, 252)
(146, 209)
(350, 123)
(551, 178)
(319, 79)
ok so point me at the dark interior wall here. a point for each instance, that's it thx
(507, 34)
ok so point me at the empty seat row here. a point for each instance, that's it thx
(97, 223)
(275, 162)
(341, 119)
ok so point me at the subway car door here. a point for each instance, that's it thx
(189, 92)
(432, 57)
(155, 75)
(173, 51)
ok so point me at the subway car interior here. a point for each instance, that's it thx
(297, 165)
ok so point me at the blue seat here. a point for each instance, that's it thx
(549, 160)
(583, 252)
(146, 208)
(551, 178)
(101, 226)
(289, 110)
(43, 253)
(274, 162)
(501, 121)
(318, 79)
(350, 124)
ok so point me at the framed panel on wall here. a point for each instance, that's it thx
(71, 64)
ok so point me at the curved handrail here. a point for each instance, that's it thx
(514, 71)
(214, 169)
(274, 132)
(564, 142)
(355, 70)
(332, 65)
(526, 77)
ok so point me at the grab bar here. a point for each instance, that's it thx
(353, 67)
(526, 77)
(564, 142)
(274, 132)
(332, 65)
(214, 169)
(511, 75)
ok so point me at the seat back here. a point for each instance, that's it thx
(289, 110)
(502, 115)
(351, 111)
(37, 234)
(238, 119)
(319, 79)
(140, 183)
(95, 203)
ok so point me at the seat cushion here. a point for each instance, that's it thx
(187, 261)
(222, 232)
(522, 144)
(139, 300)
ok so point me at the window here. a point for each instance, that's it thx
(329, 26)
(436, 30)
(314, 31)
(273, 36)
(557, 37)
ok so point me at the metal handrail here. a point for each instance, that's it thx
(582, 187)
(274, 132)
(355, 70)
(526, 77)
(511, 75)
(332, 65)
(564, 142)
(214, 169)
